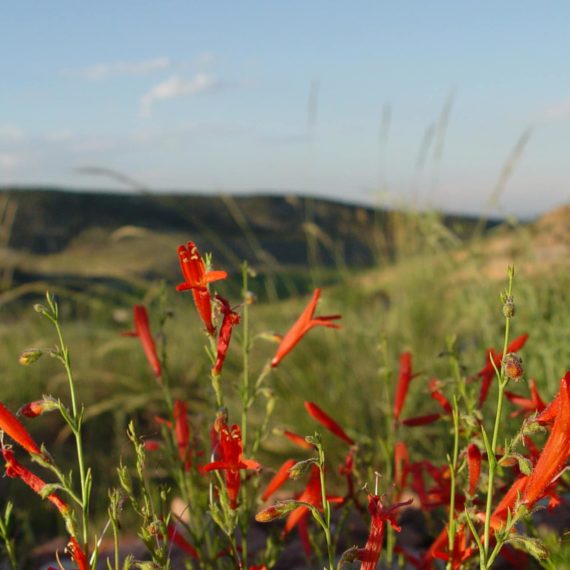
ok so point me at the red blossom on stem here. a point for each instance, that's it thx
(487, 373)
(526, 406)
(16, 470)
(10, 425)
(142, 331)
(555, 452)
(196, 278)
(76, 552)
(437, 395)
(37, 408)
(370, 554)
(551, 411)
(325, 420)
(302, 326)
(175, 537)
(231, 461)
(440, 549)
(312, 494)
(182, 433)
(421, 420)
(230, 320)
(473, 467)
(297, 439)
(401, 466)
(405, 376)
(279, 479)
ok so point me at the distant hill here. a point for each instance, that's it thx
(61, 235)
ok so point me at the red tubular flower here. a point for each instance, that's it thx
(17, 471)
(312, 494)
(297, 439)
(302, 326)
(507, 503)
(279, 479)
(229, 321)
(555, 452)
(197, 279)
(421, 420)
(401, 466)
(37, 408)
(437, 394)
(142, 331)
(487, 373)
(370, 554)
(325, 420)
(473, 467)
(10, 425)
(526, 406)
(175, 537)
(404, 378)
(551, 411)
(440, 549)
(231, 461)
(76, 552)
(182, 433)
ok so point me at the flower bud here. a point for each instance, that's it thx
(513, 366)
(509, 308)
(301, 467)
(277, 511)
(29, 356)
(38, 407)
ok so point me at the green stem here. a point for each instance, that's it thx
(9, 544)
(453, 471)
(326, 508)
(487, 560)
(77, 420)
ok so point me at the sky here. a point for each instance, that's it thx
(462, 106)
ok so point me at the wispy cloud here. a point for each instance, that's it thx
(9, 160)
(11, 134)
(556, 111)
(102, 71)
(175, 87)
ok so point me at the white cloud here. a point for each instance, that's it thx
(102, 71)
(204, 59)
(11, 134)
(9, 160)
(175, 87)
(557, 111)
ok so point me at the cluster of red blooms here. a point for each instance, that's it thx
(10, 425)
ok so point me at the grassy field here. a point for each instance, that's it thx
(432, 285)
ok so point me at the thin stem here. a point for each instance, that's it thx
(77, 420)
(453, 471)
(9, 544)
(326, 508)
(487, 560)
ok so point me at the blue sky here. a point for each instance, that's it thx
(339, 99)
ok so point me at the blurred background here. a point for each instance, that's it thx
(400, 155)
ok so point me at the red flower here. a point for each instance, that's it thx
(76, 552)
(302, 326)
(526, 406)
(421, 420)
(279, 479)
(142, 330)
(401, 466)
(229, 321)
(507, 503)
(487, 373)
(405, 376)
(231, 461)
(38, 407)
(197, 279)
(551, 411)
(555, 452)
(473, 467)
(182, 433)
(440, 548)
(370, 554)
(17, 471)
(297, 439)
(10, 425)
(175, 537)
(312, 494)
(437, 394)
(327, 422)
